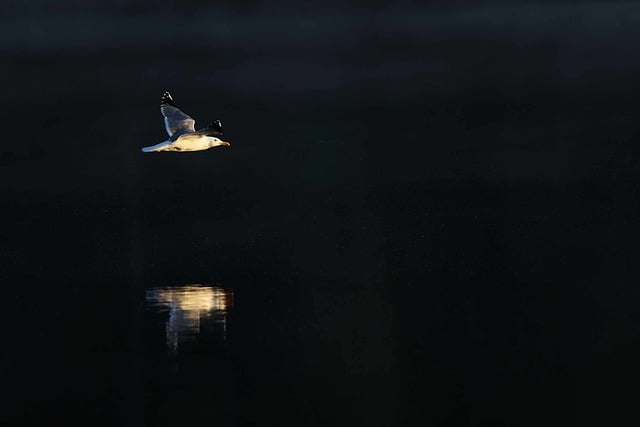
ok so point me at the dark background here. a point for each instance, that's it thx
(428, 214)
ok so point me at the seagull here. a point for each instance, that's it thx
(182, 133)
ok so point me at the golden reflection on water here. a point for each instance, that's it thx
(193, 309)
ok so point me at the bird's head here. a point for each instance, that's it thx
(215, 142)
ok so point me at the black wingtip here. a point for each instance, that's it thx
(217, 126)
(167, 99)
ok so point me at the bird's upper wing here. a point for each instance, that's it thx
(175, 121)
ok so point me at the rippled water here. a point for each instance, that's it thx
(191, 311)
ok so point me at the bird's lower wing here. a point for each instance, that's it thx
(206, 132)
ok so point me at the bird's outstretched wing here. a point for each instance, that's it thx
(214, 128)
(175, 121)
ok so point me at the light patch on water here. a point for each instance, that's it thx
(192, 310)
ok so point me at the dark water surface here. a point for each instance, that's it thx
(435, 224)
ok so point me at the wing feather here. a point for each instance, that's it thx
(176, 122)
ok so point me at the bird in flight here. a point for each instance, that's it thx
(182, 134)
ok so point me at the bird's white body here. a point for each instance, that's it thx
(187, 142)
(182, 133)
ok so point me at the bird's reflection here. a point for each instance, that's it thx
(193, 309)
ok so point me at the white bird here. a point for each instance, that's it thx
(182, 133)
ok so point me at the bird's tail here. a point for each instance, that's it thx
(157, 147)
